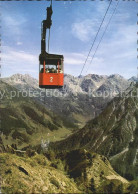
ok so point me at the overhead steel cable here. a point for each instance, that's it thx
(48, 41)
(96, 36)
(45, 88)
(103, 33)
(49, 32)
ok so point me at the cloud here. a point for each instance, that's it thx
(13, 25)
(14, 61)
(122, 40)
(13, 56)
(84, 30)
(118, 53)
(12, 20)
(74, 58)
(19, 43)
(87, 23)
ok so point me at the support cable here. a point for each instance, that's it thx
(96, 36)
(103, 35)
(45, 88)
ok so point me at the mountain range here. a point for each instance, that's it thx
(81, 98)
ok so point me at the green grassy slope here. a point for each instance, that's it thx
(25, 121)
(32, 175)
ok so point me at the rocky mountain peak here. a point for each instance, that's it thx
(133, 79)
(76, 97)
(116, 76)
(22, 81)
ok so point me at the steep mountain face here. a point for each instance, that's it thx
(77, 171)
(81, 99)
(92, 172)
(25, 121)
(114, 133)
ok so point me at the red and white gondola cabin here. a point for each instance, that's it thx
(51, 71)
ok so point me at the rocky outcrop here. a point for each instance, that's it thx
(92, 172)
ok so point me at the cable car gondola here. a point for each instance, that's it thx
(51, 66)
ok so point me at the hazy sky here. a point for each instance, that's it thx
(74, 27)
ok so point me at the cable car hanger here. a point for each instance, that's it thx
(51, 66)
